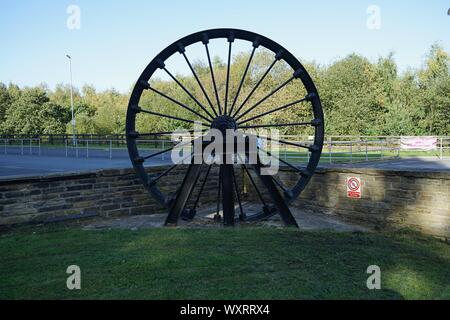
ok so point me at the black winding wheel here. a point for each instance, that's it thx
(223, 109)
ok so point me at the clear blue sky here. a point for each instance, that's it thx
(118, 38)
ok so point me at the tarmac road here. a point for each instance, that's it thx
(26, 165)
(32, 165)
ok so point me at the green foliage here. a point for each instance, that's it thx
(350, 96)
(53, 117)
(435, 91)
(33, 113)
(359, 97)
(5, 101)
(110, 112)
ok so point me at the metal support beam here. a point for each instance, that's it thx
(227, 194)
(277, 198)
(190, 179)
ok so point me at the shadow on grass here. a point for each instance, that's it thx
(221, 264)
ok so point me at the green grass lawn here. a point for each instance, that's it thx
(242, 263)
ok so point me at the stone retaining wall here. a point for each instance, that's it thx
(390, 199)
(106, 193)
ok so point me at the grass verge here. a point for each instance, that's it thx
(246, 263)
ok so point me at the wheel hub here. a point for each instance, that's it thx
(224, 122)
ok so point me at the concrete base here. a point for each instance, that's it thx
(205, 218)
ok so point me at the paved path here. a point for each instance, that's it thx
(16, 164)
(13, 165)
(418, 164)
(205, 218)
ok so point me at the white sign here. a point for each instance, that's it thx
(354, 187)
(418, 143)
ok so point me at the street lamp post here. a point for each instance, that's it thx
(74, 141)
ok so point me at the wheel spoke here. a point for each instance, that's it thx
(199, 83)
(142, 159)
(311, 147)
(219, 191)
(230, 44)
(267, 97)
(184, 89)
(274, 110)
(279, 184)
(158, 153)
(281, 160)
(253, 182)
(205, 42)
(182, 104)
(167, 171)
(255, 87)
(202, 187)
(242, 215)
(276, 125)
(255, 45)
(139, 109)
(135, 134)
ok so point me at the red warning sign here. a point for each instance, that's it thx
(354, 187)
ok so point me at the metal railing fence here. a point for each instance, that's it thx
(335, 148)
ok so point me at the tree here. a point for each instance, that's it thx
(350, 97)
(360, 97)
(5, 101)
(434, 84)
(54, 118)
(33, 113)
(403, 110)
(110, 113)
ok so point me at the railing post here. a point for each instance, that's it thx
(31, 150)
(21, 149)
(110, 149)
(65, 142)
(5, 148)
(163, 155)
(367, 152)
(87, 148)
(330, 145)
(39, 142)
(308, 153)
(76, 147)
(351, 151)
(442, 155)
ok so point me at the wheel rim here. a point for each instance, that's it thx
(215, 108)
